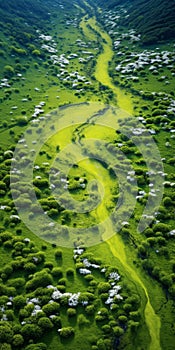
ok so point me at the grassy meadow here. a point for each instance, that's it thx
(86, 181)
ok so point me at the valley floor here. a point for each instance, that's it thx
(87, 188)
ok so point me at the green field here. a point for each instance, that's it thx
(86, 182)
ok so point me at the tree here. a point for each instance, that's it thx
(58, 254)
(161, 227)
(71, 312)
(57, 272)
(6, 346)
(90, 309)
(50, 309)
(42, 279)
(31, 331)
(45, 323)
(103, 287)
(134, 315)
(122, 319)
(66, 332)
(101, 345)
(30, 267)
(82, 320)
(6, 332)
(18, 340)
(8, 71)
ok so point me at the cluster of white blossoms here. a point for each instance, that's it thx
(113, 293)
(72, 297)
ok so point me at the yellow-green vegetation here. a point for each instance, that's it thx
(86, 181)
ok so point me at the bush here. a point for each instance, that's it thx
(167, 201)
(18, 340)
(71, 312)
(82, 320)
(69, 272)
(30, 267)
(49, 265)
(66, 332)
(8, 71)
(160, 227)
(10, 315)
(42, 279)
(7, 270)
(58, 254)
(6, 346)
(134, 315)
(17, 282)
(45, 323)
(62, 281)
(90, 309)
(50, 309)
(31, 331)
(103, 287)
(21, 121)
(118, 331)
(122, 319)
(56, 321)
(101, 344)
(57, 272)
(6, 332)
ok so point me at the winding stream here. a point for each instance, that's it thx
(115, 243)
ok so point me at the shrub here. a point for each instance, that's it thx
(167, 201)
(19, 301)
(56, 321)
(118, 331)
(8, 71)
(45, 323)
(18, 340)
(101, 344)
(17, 282)
(30, 267)
(5, 236)
(71, 312)
(10, 315)
(6, 346)
(50, 309)
(106, 328)
(36, 52)
(134, 315)
(69, 272)
(49, 265)
(41, 279)
(122, 319)
(6, 332)
(66, 332)
(103, 287)
(160, 227)
(7, 270)
(57, 272)
(127, 307)
(82, 320)
(21, 121)
(58, 254)
(31, 331)
(133, 325)
(90, 309)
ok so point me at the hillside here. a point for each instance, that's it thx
(87, 176)
(154, 20)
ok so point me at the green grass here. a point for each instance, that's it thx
(117, 248)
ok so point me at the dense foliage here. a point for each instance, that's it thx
(154, 20)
